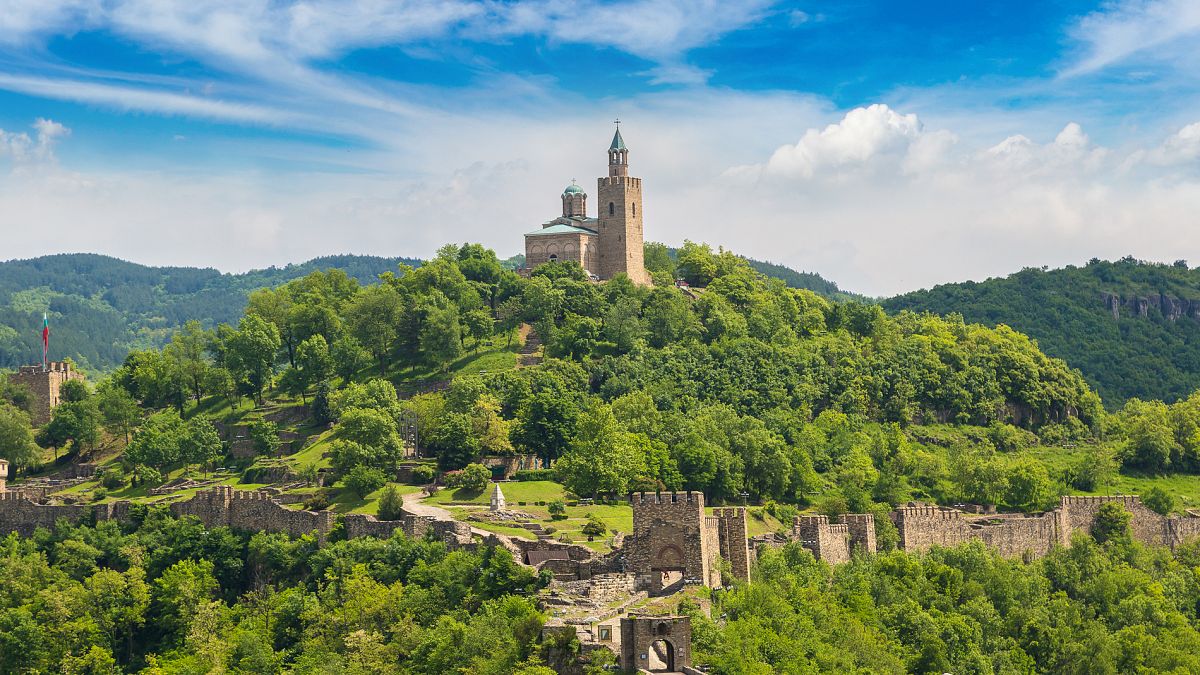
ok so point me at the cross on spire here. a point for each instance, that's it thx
(617, 121)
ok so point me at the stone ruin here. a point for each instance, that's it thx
(675, 544)
(922, 526)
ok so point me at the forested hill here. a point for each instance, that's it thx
(1131, 327)
(101, 307)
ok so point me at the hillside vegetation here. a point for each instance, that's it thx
(101, 307)
(739, 386)
(1132, 328)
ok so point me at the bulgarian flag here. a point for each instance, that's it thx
(45, 338)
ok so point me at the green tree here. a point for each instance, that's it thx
(373, 317)
(362, 480)
(76, 422)
(1112, 524)
(16, 439)
(441, 336)
(157, 443)
(391, 504)
(251, 352)
(265, 436)
(118, 409)
(188, 350)
(200, 443)
(602, 457)
(179, 594)
(348, 357)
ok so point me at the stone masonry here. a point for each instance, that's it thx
(833, 542)
(672, 535)
(1034, 534)
(667, 638)
(45, 385)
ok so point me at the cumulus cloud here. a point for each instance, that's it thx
(883, 204)
(24, 150)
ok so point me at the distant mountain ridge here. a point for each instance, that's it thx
(101, 307)
(1132, 328)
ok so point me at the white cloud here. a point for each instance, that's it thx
(860, 137)
(1126, 29)
(25, 151)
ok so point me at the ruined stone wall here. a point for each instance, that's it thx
(1016, 535)
(922, 526)
(1078, 514)
(1019, 535)
(827, 541)
(18, 514)
(862, 531)
(251, 510)
(732, 540)
(668, 534)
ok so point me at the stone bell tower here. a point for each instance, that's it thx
(620, 216)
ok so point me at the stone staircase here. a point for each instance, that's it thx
(530, 354)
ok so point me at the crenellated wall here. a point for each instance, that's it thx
(252, 510)
(1034, 534)
(223, 506)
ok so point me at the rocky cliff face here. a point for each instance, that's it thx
(1170, 307)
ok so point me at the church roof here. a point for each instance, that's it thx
(618, 142)
(573, 189)
(560, 228)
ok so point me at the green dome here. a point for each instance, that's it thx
(573, 189)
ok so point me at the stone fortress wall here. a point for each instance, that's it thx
(239, 509)
(1033, 534)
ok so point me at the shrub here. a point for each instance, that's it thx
(310, 474)
(594, 526)
(145, 475)
(1158, 500)
(318, 502)
(549, 529)
(363, 480)
(99, 493)
(423, 474)
(390, 503)
(558, 510)
(113, 478)
(534, 474)
(265, 436)
(473, 477)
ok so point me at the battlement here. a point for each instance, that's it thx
(927, 511)
(626, 181)
(730, 512)
(51, 367)
(648, 498)
(1128, 501)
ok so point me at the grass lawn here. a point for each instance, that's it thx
(617, 518)
(348, 502)
(312, 454)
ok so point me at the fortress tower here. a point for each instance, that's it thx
(620, 217)
(44, 383)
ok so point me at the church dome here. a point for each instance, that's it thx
(573, 189)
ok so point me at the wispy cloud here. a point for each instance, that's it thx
(1132, 28)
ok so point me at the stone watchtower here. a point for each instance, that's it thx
(620, 217)
(44, 383)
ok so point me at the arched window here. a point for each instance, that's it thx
(611, 208)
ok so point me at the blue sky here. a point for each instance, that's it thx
(887, 146)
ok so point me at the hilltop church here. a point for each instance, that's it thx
(610, 243)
